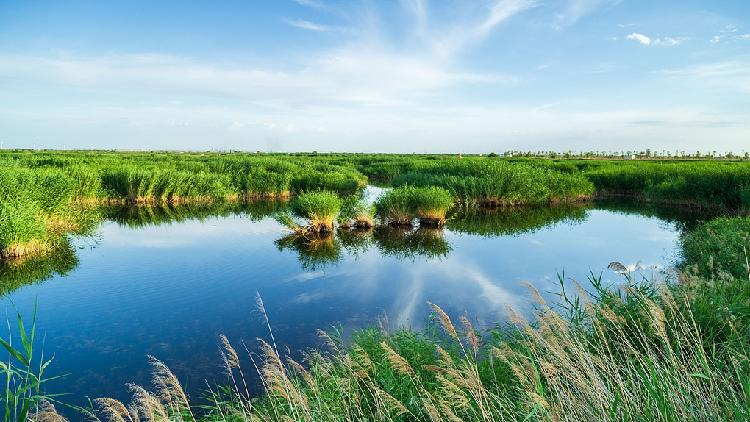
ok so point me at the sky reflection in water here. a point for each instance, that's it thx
(168, 285)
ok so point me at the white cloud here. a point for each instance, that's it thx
(669, 41)
(643, 39)
(745, 36)
(663, 42)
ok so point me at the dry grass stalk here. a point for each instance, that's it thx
(397, 361)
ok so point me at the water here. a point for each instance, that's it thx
(168, 283)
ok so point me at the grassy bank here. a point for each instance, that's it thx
(40, 188)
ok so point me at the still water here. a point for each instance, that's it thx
(167, 282)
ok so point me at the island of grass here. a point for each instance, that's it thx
(400, 206)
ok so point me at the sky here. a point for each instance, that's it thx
(376, 76)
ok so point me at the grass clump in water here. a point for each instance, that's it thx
(399, 206)
(430, 204)
(394, 207)
(356, 213)
(319, 209)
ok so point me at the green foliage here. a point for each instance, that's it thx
(319, 208)
(20, 222)
(356, 212)
(493, 182)
(721, 245)
(431, 202)
(24, 397)
(701, 183)
(399, 206)
(395, 207)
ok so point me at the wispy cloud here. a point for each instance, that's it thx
(311, 3)
(448, 39)
(578, 9)
(733, 75)
(310, 26)
(663, 41)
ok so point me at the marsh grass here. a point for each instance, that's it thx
(356, 213)
(393, 208)
(318, 209)
(604, 355)
(400, 206)
(24, 397)
(431, 204)
(493, 183)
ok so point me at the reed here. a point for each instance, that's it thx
(430, 205)
(318, 208)
(400, 206)
(394, 207)
(356, 213)
(602, 355)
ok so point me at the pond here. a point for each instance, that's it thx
(167, 281)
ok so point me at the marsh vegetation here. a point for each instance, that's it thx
(643, 350)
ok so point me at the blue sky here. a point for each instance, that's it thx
(400, 76)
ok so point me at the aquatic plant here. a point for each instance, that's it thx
(399, 206)
(394, 207)
(695, 183)
(24, 397)
(719, 246)
(318, 208)
(430, 204)
(497, 183)
(356, 213)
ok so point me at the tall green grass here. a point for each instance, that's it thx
(400, 206)
(319, 209)
(494, 183)
(24, 397)
(699, 183)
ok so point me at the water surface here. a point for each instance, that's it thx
(167, 282)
